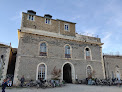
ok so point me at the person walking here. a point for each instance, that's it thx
(4, 84)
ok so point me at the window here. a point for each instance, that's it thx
(31, 17)
(66, 27)
(47, 21)
(89, 71)
(67, 52)
(41, 71)
(43, 49)
(118, 75)
(87, 53)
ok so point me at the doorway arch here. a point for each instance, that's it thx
(118, 73)
(68, 72)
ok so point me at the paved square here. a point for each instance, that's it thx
(69, 88)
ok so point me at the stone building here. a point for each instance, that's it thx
(113, 66)
(4, 59)
(7, 61)
(45, 43)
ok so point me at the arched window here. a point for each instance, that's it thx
(117, 72)
(89, 71)
(67, 52)
(87, 53)
(41, 71)
(43, 49)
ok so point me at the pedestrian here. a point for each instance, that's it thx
(86, 81)
(9, 83)
(118, 82)
(22, 80)
(4, 84)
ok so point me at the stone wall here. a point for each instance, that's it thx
(71, 31)
(28, 66)
(28, 56)
(110, 63)
(56, 26)
(5, 51)
(32, 33)
(56, 47)
(2, 52)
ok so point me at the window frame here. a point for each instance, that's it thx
(38, 70)
(117, 70)
(90, 57)
(30, 19)
(48, 21)
(40, 49)
(69, 50)
(87, 70)
(41, 71)
(66, 24)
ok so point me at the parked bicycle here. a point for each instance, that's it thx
(43, 83)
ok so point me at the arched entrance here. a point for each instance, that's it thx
(67, 73)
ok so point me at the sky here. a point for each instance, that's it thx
(93, 17)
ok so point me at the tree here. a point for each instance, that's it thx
(56, 73)
(92, 75)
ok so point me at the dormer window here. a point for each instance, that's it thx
(47, 21)
(31, 17)
(66, 27)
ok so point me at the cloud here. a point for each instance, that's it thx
(106, 36)
(106, 39)
(78, 3)
(18, 15)
(76, 17)
(90, 31)
(113, 9)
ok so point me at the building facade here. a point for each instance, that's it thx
(45, 43)
(4, 60)
(113, 66)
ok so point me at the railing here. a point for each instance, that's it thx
(67, 56)
(88, 57)
(43, 53)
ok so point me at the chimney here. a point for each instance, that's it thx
(48, 16)
(31, 12)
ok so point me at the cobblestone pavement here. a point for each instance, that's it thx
(69, 88)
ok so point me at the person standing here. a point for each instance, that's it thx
(9, 82)
(4, 84)
(22, 80)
